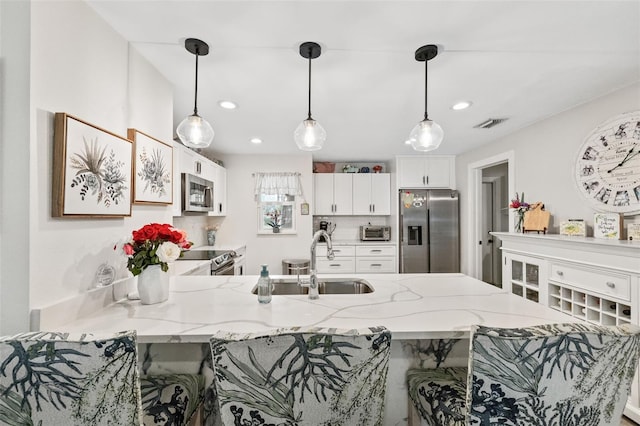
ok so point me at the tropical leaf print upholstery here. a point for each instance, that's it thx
(551, 375)
(303, 376)
(61, 379)
(171, 399)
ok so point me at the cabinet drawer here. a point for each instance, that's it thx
(373, 265)
(338, 251)
(337, 265)
(605, 283)
(375, 251)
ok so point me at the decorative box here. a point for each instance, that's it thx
(573, 227)
(607, 225)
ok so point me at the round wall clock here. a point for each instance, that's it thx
(608, 165)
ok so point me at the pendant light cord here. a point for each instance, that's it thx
(426, 87)
(195, 102)
(309, 114)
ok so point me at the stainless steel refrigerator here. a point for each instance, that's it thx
(429, 230)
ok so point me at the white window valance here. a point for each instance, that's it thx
(277, 183)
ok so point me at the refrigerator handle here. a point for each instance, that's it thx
(428, 239)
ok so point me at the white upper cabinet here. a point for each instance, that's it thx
(188, 161)
(372, 194)
(333, 193)
(219, 191)
(426, 172)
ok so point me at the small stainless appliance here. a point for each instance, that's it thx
(429, 231)
(197, 194)
(222, 261)
(375, 233)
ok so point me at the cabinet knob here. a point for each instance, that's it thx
(611, 284)
(560, 273)
(376, 264)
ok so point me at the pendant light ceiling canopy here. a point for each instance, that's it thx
(194, 131)
(309, 135)
(427, 135)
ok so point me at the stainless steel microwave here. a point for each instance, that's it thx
(375, 233)
(197, 194)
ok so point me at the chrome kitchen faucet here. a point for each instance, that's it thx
(313, 279)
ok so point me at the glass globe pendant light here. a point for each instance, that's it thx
(309, 135)
(426, 135)
(194, 131)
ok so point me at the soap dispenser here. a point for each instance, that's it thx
(264, 286)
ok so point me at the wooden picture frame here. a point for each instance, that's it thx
(92, 170)
(152, 169)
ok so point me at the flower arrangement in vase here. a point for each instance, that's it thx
(275, 220)
(155, 244)
(519, 207)
(149, 252)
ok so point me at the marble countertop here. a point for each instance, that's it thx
(410, 305)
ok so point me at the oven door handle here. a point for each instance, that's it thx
(223, 271)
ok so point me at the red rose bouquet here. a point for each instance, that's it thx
(155, 244)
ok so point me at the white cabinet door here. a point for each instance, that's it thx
(426, 172)
(438, 172)
(323, 193)
(219, 190)
(411, 172)
(343, 193)
(381, 194)
(333, 193)
(362, 188)
(372, 194)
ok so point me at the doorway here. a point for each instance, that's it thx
(490, 182)
(495, 217)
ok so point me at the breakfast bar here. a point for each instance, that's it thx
(429, 316)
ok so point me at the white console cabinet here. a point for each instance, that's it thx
(595, 280)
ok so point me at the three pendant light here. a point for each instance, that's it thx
(195, 132)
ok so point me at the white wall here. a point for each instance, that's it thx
(545, 155)
(82, 67)
(240, 225)
(15, 175)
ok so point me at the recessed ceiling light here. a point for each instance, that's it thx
(256, 140)
(227, 104)
(461, 105)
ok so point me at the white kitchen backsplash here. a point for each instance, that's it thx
(196, 227)
(348, 227)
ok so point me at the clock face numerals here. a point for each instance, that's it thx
(608, 165)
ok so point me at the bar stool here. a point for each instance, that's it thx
(304, 376)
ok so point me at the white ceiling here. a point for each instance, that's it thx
(521, 60)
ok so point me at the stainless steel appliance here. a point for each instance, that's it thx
(197, 194)
(429, 231)
(222, 261)
(375, 233)
(326, 226)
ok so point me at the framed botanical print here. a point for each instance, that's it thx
(153, 169)
(91, 170)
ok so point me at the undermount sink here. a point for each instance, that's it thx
(289, 286)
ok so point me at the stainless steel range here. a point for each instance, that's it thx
(222, 261)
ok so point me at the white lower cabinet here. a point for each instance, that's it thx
(357, 259)
(587, 278)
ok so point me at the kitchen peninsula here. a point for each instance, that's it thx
(418, 309)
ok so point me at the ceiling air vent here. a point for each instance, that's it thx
(487, 124)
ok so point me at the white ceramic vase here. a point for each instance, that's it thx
(153, 285)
